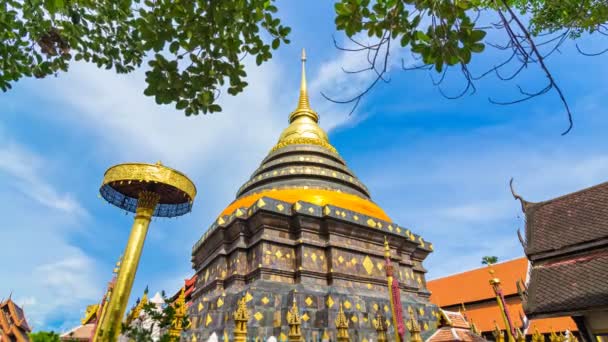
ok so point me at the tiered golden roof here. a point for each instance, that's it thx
(304, 166)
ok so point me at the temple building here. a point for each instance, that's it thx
(566, 241)
(304, 227)
(470, 293)
(13, 325)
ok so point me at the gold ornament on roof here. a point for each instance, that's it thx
(499, 336)
(538, 337)
(304, 122)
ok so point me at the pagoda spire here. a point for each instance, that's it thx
(303, 108)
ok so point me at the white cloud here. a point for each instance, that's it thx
(26, 171)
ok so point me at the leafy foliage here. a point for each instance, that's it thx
(450, 39)
(194, 47)
(489, 260)
(578, 16)
(142, 328)
(44, 336)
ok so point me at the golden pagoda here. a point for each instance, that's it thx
(304, 222)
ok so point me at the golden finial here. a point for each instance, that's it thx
(474, 329)
(499, 336)
(519, 335)
(303, 108)
(303, 122)
(553, 337)
(342, 326)
(413, 326)
(538, 337)
(380, 325)
(180, 313)
(293, 319)
(387, 248)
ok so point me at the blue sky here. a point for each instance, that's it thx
(438, 166)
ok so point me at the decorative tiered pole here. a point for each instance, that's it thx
(293, 319)
(500, 299)
(413, 327)
(380, 325)
(394, 294)
(241, 317)
(342, 326)
(147, 190)
(103, 306)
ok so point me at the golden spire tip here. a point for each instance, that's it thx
(303, 108)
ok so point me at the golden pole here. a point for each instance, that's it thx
(110, 327)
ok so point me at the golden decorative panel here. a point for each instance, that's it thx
(347, 305)
(208, 320)
(265, 300)
(353, 261)
(340, 259)
(375, 307)
(308, 301)
(385, 308)
(313, 256)
(248, 297)
(258, 316)
(371, 223)
(368, 265)
(305, 317)
(354, 318)
(200, 307)
(330, 302)
(278, 254)
(421, 311)
(220, 302)
(280, 207)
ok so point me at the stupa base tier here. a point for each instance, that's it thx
(268, 303)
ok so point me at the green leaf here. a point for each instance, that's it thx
(478, 35)
(477, 47)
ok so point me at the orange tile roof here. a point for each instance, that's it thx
(484, 315)
(472, 286)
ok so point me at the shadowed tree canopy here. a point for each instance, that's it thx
(195, 48)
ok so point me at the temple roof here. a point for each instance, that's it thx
(12, 321)
(453, 326)
(568, 220)
(569, 285)
(304, 166)
(471, 289)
